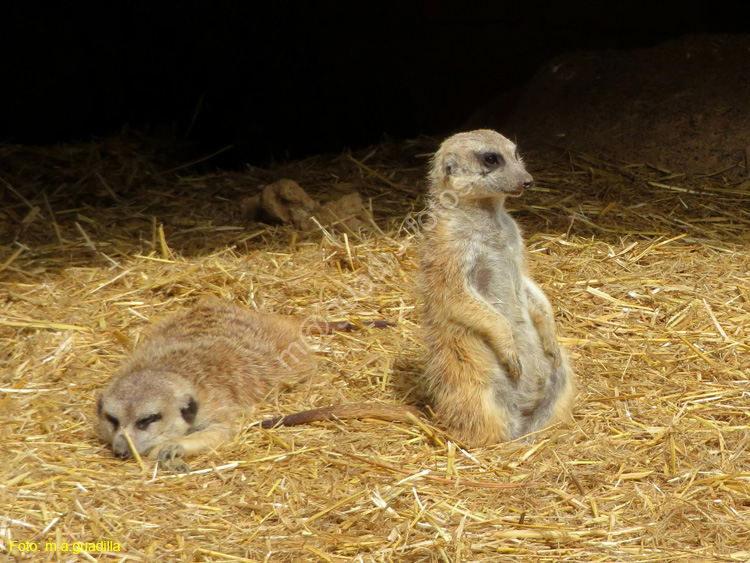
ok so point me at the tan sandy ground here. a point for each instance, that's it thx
(649, 275)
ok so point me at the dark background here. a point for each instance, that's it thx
(292, 81)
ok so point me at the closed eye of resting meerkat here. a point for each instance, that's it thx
(183, 388)
(494, 370)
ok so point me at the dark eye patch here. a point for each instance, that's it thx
(144, 422)
(113, 421)
(189, 411)
(491, 160)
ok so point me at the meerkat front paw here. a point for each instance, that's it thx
(505, 350)
(556, 357)
(169, 456)
(509, 358)
(552, 349)
(545, 327)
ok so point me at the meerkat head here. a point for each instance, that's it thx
(477, 165)
(151, 406)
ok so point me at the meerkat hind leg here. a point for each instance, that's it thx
(556, 404)
(474, 413)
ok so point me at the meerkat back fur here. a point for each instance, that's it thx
(184, 386)
(494, 370)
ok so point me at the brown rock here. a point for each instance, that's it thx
(285, 201)
(348, 208)
(250, 206)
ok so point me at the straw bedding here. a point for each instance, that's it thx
(649, 275)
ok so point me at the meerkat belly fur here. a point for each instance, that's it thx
(494, 370)
(183, 388)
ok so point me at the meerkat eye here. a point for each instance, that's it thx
(492, 160)
(143, 423)
(113, 421)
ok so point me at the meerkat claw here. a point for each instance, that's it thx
(514, 367)
(556, 358)
(176, 465)
(553, 351)
(170, 457)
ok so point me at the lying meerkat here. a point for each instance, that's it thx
(494, 370)
(184, 386)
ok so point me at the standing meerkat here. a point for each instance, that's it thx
(183, 388)
(494, 370)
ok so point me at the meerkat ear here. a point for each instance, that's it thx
(189, 411)
(99, 406)
(450, 164)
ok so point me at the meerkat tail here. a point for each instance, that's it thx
(391, 413)
(348, 326)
